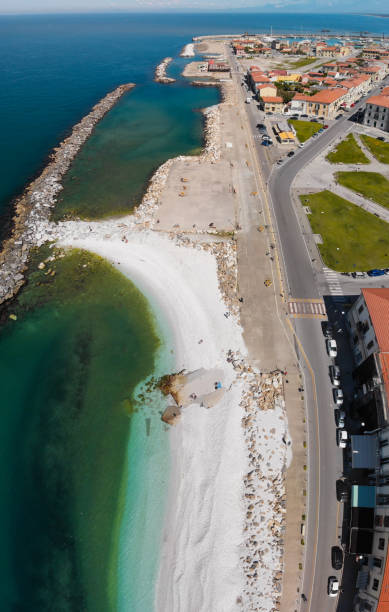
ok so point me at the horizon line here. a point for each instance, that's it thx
(190, 10)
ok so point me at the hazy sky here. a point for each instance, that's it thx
(52, 6)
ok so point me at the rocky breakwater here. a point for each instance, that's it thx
(160, 71)
(32, 209)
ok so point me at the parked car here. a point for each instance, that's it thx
(335, 375)
(331, 347)
(291, 153)
(381, 138)
(338, 116)
(333, 586)
(327, 329)
(338, 396)
(303, 115)
(358, 274)
(376, 272)
(314, 120)
(336, 557)
(342, 490)
(261, 127)
(325, 126)
(340, 418)
(341, 438)
(248, 100)
(269, 113)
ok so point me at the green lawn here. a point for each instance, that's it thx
(304, 61)
(347, 152)
(371, 185)
(353, 239)
(379, 149)
(305, 129)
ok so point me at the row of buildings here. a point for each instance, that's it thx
(323, 93)
(264, 45)
(368, 326)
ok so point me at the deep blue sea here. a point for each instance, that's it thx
(54, 68)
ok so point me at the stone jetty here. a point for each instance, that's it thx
(160, 71)
(33, 207)
(188, 51)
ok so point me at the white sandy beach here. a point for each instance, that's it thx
(207, 534)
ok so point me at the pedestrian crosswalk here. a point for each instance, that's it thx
(304, 308)
(332, 279)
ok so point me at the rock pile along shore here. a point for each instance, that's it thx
(188, 51)
(160, 71)
(32, 209)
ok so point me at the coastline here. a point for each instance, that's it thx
(214, 493)
(160, 72)
(34, 205)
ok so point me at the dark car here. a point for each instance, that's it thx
(381, 138)
(303, 115)
(314, 120)
(261, 127)
(376, 272)
(291, 153)
(336, 557)
(342, 490)
(269, 113)
(338, 116)
(327, 329)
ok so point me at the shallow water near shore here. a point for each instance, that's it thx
(149, 125)
(76, 458)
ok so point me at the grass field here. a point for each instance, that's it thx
(353, 239)
(379, 149)
(305, 129)
(371, 185)
(347, 152)
(304, 61)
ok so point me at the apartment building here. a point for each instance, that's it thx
(324, 103)
(368, 323)
(377, 112)
(273, 104)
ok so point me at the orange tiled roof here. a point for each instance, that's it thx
(276, 99)
(327, 96)
(383, 602)
(379, 100)
(377, 301)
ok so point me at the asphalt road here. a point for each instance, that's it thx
(324, 457)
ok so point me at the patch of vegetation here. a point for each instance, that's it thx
(304, 61)
(305, 129)
(379, 149)
(371, 185)
(353, 239)
(348, 152)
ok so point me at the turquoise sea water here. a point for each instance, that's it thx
(83, 478)
(84, 462)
